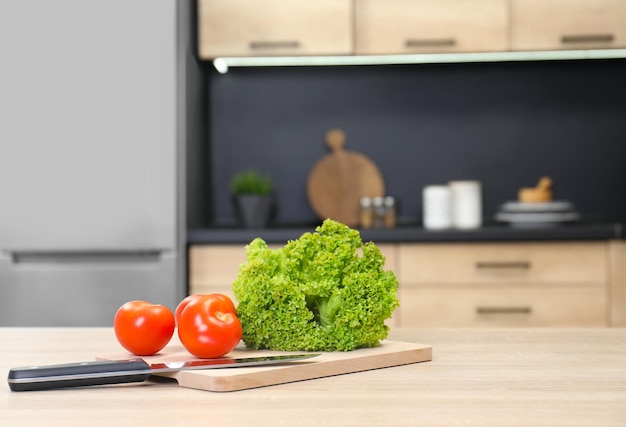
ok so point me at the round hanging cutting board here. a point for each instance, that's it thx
(340, 179)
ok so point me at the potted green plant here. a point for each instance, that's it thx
(253, 199)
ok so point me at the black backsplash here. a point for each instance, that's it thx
(504, 124)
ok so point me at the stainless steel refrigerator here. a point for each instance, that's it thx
(92, 135)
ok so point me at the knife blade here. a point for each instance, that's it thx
(102, 372)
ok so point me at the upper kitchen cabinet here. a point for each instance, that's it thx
(421, 26)
(567, 24)
(274, 28)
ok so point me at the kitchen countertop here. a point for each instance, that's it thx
(487, 233)
(478, 377)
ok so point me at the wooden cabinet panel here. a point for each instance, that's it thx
(504, 284)
(274, 27)
(214, 268)
(618, 283)
(504, 263)
(567, 24)
(418, 26)
(510, 307)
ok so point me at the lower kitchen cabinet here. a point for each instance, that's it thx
(522, 284)
(512, 284)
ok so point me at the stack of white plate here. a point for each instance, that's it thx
(534, 215)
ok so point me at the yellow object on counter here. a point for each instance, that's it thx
(539, 194)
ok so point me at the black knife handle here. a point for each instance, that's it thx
(49, 377)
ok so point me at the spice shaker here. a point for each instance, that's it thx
(390, 212)
(367, 212)
(379, 212)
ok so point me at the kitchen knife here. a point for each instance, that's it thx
(81, 374)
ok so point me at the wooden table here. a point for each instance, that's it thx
(497, 377)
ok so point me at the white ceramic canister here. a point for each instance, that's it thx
(466, 202)
(436, 207)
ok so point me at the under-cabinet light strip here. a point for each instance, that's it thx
(223, 64)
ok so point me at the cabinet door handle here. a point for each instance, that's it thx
(286, 44)
(503, 310)
(411, 43)
(523, 265)
(587, 38)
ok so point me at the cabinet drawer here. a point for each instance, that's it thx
(416, 26)
(214, 268)
(567, 24)
(511, 307)
(274, 27)
(497, 263)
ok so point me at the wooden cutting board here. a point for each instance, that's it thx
(340, 179)
(389, 353)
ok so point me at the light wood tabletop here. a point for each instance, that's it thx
(478, 377)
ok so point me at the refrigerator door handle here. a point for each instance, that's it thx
(83, 257)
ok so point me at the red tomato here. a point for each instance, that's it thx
(208, 326)
(143, 328)
(186, 301)
(182, 306)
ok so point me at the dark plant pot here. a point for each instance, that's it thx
(254, 210)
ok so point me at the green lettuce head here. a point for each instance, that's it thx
(325, 291)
